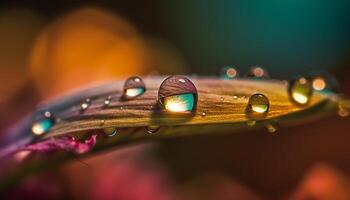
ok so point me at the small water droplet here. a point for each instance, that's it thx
(85, 105)
(258, 104)
(258, 72)
(342, 111)
(251, 123)
(133, 87)
(322, 81)
(107, 101)
(203, 114)
(229, 72)
(110, 131)
(271, 127)
(235, 97)
(300, 90)
(177, 94)
(153, 128)
(44, 125)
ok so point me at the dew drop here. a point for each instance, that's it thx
(271, 127)
(235, 97)
(323, 81)
(251, 123)
(44, 125)
(85, 105)
(203, 114)
(133, 87)
(110, 131)
(258, 72)
(300, 90)
(258, 104)
(229, 72)
(107, 101)
(152, 128)
(177, 94)
(342, 110)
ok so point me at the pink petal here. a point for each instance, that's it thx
(66, 143)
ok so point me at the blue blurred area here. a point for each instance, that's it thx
(285, 36)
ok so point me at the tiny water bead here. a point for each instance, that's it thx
(272, 126)
(44, 125)
(258, 72)
(258, 104)
(107, 101)
(300, 90)
(203, 114)
(152, 128)
(177, 94)
(229, 72)
(85, 105)
(110, 131)
(133, 87)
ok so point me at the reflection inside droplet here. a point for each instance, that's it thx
(319, 83)
(258, 72)
(179, 103)
(42, 126)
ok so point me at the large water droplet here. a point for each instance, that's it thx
(85, 105)
(323, 81)
(229, 72)
(44, 125)
(110, 131)
(177, 94)
(153, 128)
(300, 90)
(258, 72)
(258, 104)
(133, 87)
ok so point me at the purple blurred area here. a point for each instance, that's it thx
(51, 47)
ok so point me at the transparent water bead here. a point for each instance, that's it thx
(44, 125)
(258, 72)
(107, 101)
(111, 131)
(323, 81)
(177, 94)
(258, 104)
(85, 105)
(300, 90)
(133, 87)
(152, 128)
(229, 72)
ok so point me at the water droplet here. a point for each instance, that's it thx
(133, 87)
(251, 123)
(229, 72)
(110, 131)
(322, 80)
(235, 97)
(300, 90)
(271, 127)
(44, 125)
(107, 101)
(177, 94)
(258, 104)
(153, 128)
(342, 111)
(85, 105)
(203, 114)
(258, 72)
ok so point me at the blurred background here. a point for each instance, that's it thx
(51, 47)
